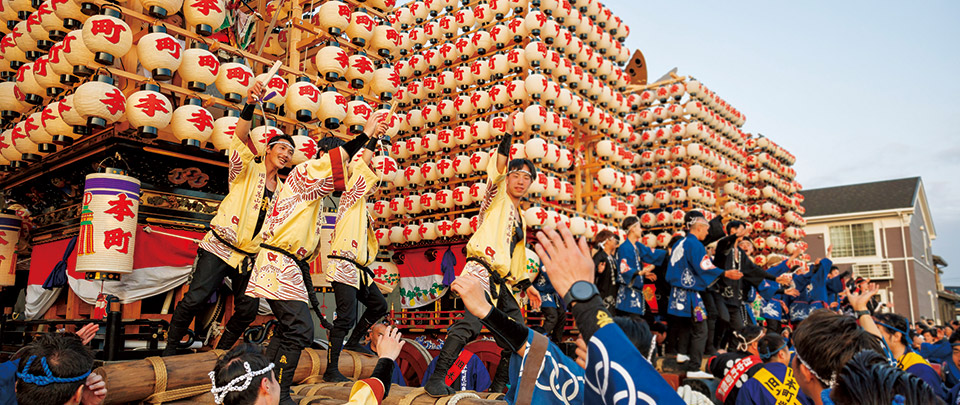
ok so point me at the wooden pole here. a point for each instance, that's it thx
(316, 393)
(134, 381)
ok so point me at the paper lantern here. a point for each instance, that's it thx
(33, 93)
(8, 149)
(107, 36)
(381, 209)
(414, 176)
(331, 61)
(261, 134)
(427, 231)
(461, 196)
(108, 224)
(384, 83)
(411, 204)
(303, 100)
(204, 16)
(70, 13)
(360, 28)
(10, 235)
(444, 198)
(44, 74)
(149, 111)
(33, 126)
(333, 108)
(396, 235)
(383, 236)
(19, 137)
(160, 8)
(199, 68)
(360, 70)
(191, 123)
(411, 233)
(44, 26)
(478, 191)
(25, 42)
(275, 90)
(99, 102)
(429, 172)
(385, 167)
(462, 226)
(385, 40)
(397, 207)
(234, 80)
(11, 105)
(223, 130)
(60, 133)
(305, 148)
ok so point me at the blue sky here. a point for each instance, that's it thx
(858, 90)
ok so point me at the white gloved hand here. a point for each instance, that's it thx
(691, 397)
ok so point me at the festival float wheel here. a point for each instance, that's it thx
(488, 352)
(413, 361)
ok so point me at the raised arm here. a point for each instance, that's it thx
(242, 130)
(503, 150)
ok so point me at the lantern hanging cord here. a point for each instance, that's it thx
(115, 157)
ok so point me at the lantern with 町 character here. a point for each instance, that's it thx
(159, 53)
(108, 225)
(107, 35)
(333, 108)
(303, 100)
(199, 67)
(233, 81)
(77, 54)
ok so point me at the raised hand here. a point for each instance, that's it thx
(473, 295)
(858, 300)
(255, 92)
(390, 343)
(564, 259)
(87, 332)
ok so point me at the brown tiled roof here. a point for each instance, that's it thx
(864, 197)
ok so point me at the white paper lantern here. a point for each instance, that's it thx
(108, 224)
(159, 53)
(108, 36)
(199, 68)
(333, 108)
(149, 111)
(191, 123)
(223, 130)
(99, 102)
(204, 16)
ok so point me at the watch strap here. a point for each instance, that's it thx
(861, 313)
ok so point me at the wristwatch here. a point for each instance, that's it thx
(861, 313)
(581, 291)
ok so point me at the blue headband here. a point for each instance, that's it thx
(48, 378)
(768, 355)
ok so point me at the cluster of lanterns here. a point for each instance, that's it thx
(699, 94)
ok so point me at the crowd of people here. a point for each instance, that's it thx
(785, 333)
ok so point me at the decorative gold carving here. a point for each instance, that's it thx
(193, 176)
(178, 202)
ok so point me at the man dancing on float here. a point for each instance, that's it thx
(354, 247)
(497, 256)
(234, 238)
(291, 234)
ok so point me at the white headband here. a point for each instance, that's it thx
(520, 171)
(235, 384)
(283, 141)
(697, 220)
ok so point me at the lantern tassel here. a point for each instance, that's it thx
(58, 277)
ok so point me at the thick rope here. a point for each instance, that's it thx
(495, 395)
(357, 364)
(453, 399)
(177, 394)
(307, 400)
(314, 361)
(159, 374)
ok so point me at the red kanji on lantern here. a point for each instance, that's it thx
(208, 61)
(114, 101)
(393, 35)
(117, 237)
(514, 24)
(279, 84)
(120, 208)
(344, 10)
(201, 119)
(311, 92)
(109, 28)
(204, 6)
(309, 149)
(17, 133)
(365, 21)
(149, 104)
(242, 75)
(169, 44)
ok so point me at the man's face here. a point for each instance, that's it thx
(518, 183)
(375, 332)
(808, 383)
(747, 247)
(956, 355)
(279, 154)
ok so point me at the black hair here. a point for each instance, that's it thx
(284, 137)
(66, 356)
(733, 224)
(519, 164)
(629, 222)
(690, 215)
(769, 345)
(869, 380)
(894, 323)
(637, 331)
(230, 366)
(826, 341)
(743, 336)
(331, 142)
(603, 236)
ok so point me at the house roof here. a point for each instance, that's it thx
(864, 197)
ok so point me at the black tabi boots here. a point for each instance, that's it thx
(286, 367)
(502, 377)
(332, 373)
(436, 385)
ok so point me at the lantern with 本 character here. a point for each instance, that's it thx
(33, 125)
(53, 123)
(9, 238)
(199, 67)
(331, 61)
(223, 130)
(360, 70)
(234, 79)
(303, 100)
(107, 36)
(33, 92)
(333, 108)
(205, 16)
(149, 111)
(99, 102)
(68, 111)
(160, 8)
(108, 225)
(305, 147)
(384, 83)
(11, 105)
(159, 53)
(191, 123)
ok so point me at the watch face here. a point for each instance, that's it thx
(581, 290)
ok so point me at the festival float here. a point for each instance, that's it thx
(116, 117)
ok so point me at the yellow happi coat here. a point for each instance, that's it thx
(236, 218)
(498, 221)
(293, 225)
(353, 236)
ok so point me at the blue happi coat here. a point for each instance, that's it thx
(813, 291)
(632, 256)
(758, 392)
(618, 374)
(474, 375)
(690, 271)
(772, 307)
(951, 374)
(548, 294)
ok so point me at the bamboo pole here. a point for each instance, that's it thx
(316, 393)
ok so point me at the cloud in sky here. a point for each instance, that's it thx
(859, 91)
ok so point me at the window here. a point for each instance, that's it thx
(853, 240)
(876, 271)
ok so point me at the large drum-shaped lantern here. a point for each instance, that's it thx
(149, 111)
(191, 123)
(10, 236)
(107, 35)
(233, 81)
(386, 274)
(159, 53)
(108, 224)
(206, 16)
(99, 102)
(199, 67)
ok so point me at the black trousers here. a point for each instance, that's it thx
(554, 319)
(774, 326)
(468, 328)
(347, 298)
(736, 323)
(693, 341)
(208, 273)
(294, 332)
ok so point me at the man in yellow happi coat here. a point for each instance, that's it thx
(234, 237)
(291, 234)
(496, 254)
(354, 247)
